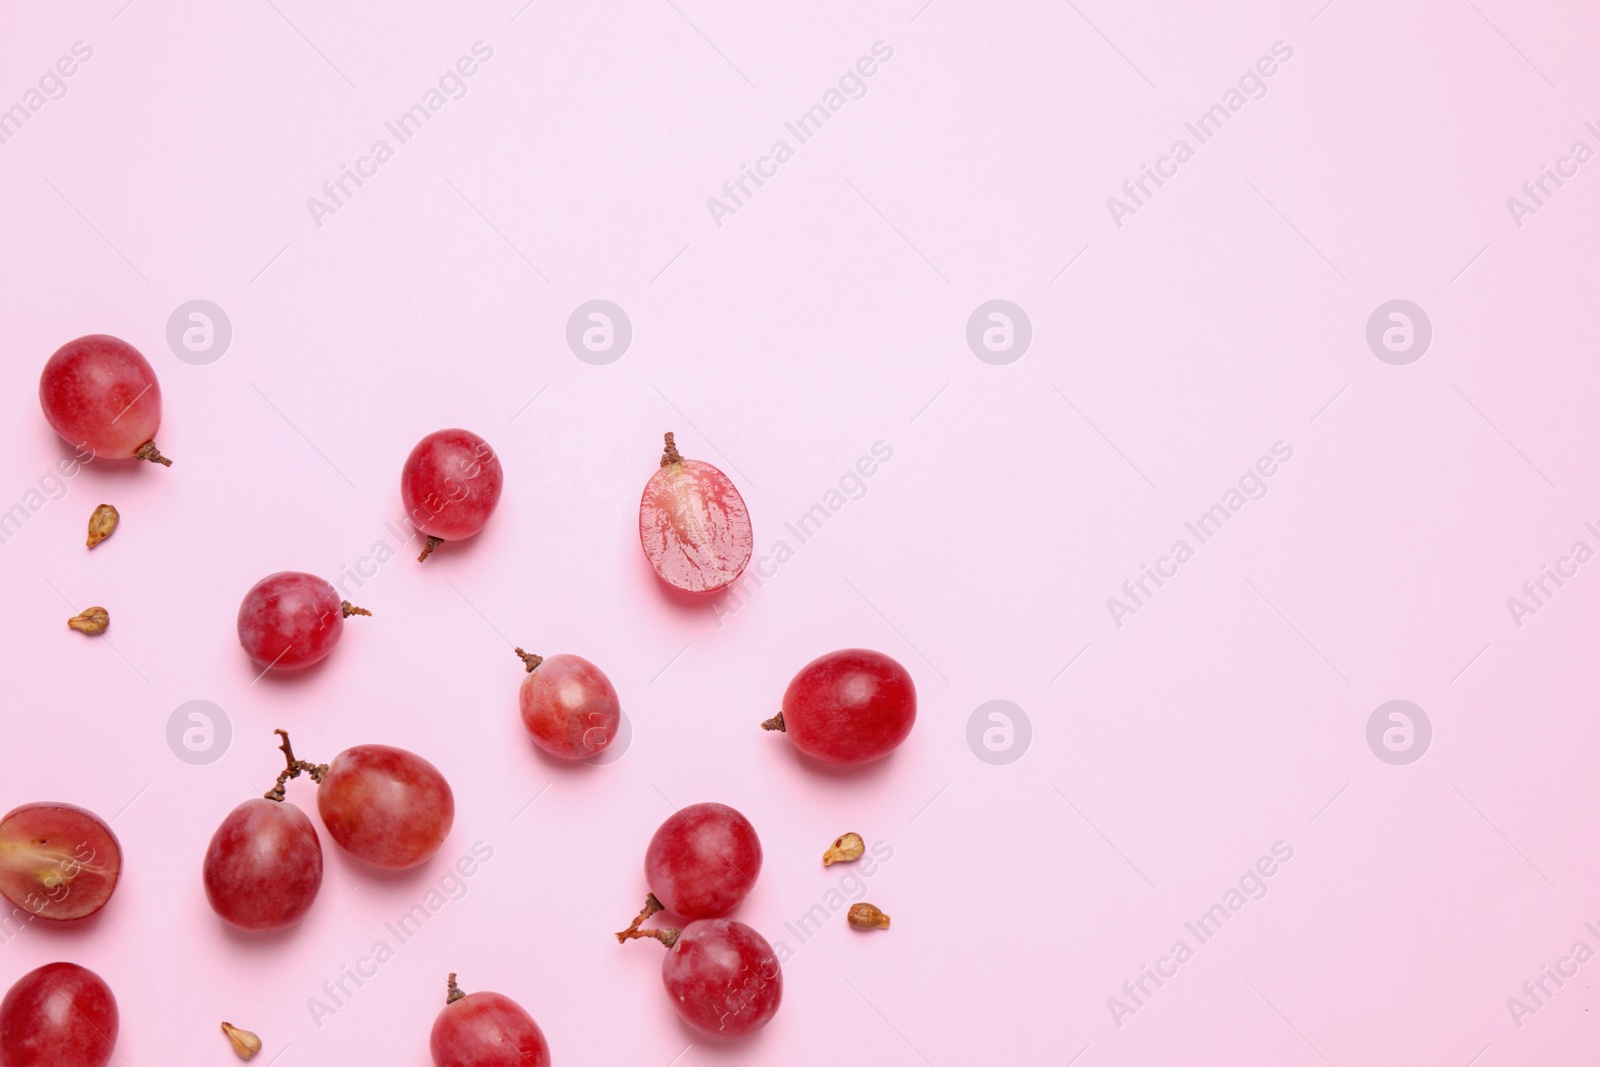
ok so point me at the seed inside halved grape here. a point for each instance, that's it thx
(58, 861)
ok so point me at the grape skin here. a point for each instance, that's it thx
(569, 707)
(290, 620)
(60, 1015)
(450, 484)
(264, 866)
(387, 807)
(850, 706)
(703, 860)
(487, 1030)
(99, 392)
(723, 977)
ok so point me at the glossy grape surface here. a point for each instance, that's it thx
(290, 620)
(703, 861)
(723, 977)
(264, 866)
(60, 1015)
(569, 707)
(386, 806)
(850, 706)
(694, 526)
(99, 393)
(487, 1030)
(451, 483)
(57, 861)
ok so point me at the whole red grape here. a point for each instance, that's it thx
(60, 1015)
(58, 861)
(703, 861)
(568, 705)
(291, 620)
(721, 975)
(693, 524)
(450, 485)
(99, 393)
(264, 865)
(850, 706)
(386, 806)
(486, 1030)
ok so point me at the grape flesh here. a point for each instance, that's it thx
(57, 861)
(291, 620)
(60, 1015)
(703, 861)
(723, 977)
(387, 807)
(569, 707)
(450, 485)
(487, 1030)
(99, 393)
(693, 525)
(264, 866)
(850, 706)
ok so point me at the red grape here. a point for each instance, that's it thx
(58, 861)
(486, 1030)
(703, 860)
(264, 865)
(99, 392)
(693, 524)
(291, 619)
(568, 706)
(386, 806)
(721, 975)
(850, 706)
(60, 1015)
(450, 485)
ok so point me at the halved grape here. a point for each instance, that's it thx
(693, 524)
(58, 861)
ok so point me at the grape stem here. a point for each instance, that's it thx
(530, 660)
(670, 453)
(350, 609)
(295, 768)
(452, 991)
(775, 723)
(427, 549)
(149, 451)
(651, 906)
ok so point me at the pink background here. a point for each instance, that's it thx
(828, 314)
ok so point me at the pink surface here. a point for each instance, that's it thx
(818, 322)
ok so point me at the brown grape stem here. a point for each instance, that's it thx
(427, 549)
(453, 992)
(775, 723)
(295, 768)
(149, 451)
(670, 453)
(530, 660)
(350, 609)
(651, 906)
